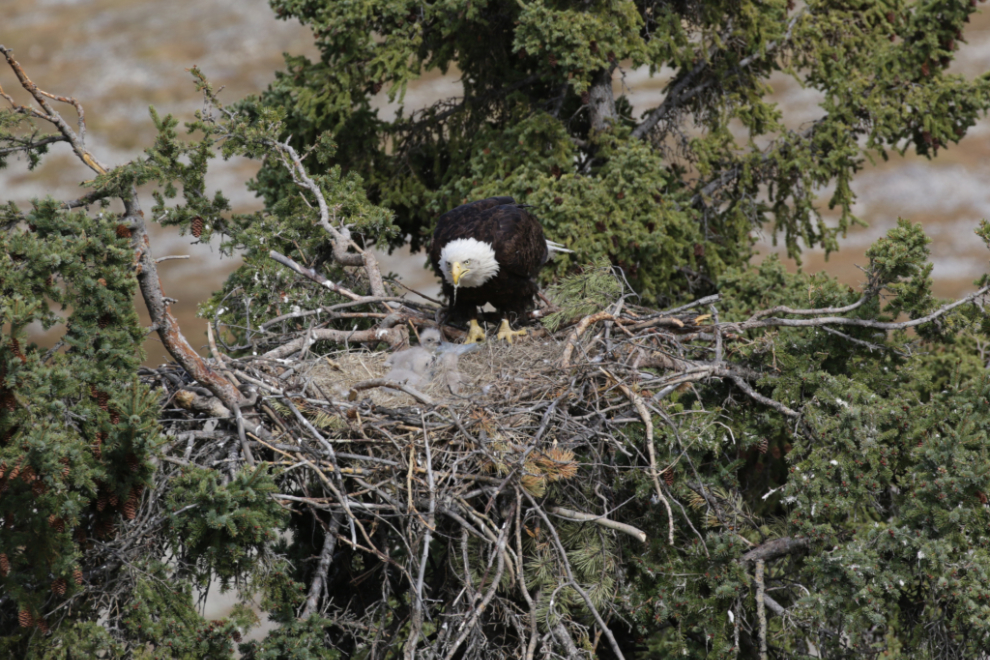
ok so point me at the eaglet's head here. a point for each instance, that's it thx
(468, 262)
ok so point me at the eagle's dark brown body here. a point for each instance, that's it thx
(520, 250)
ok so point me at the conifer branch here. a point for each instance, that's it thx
(861, 323)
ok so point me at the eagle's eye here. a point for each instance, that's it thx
(467, 261)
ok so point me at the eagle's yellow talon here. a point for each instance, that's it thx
(475, 333)
(507, 333)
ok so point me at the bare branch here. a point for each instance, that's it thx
(637, 534)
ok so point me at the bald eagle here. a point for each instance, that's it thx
(489, 251)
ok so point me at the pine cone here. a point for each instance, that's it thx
(130, 509)
(102, 281)
(59, 586)
(3, 468)
(115, 417)
(133, 464)
(42, 626)
(101, 502)
(104, 321)
(25, 619)
(197, 226)
(114, 500)
(762, 447)
(56, 523)
(77, 575)
(15, 348)
(4, 565)
(668, 476)
(39, 488)
(49, 280)
(105, 528)
(123, 231)
(65, 466)
(28, 475)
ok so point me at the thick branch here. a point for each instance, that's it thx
(326, 556)
(680, 93)
(49, 114)
(862, 323)
(341, 236)
(601, 101)
(638, 534)
(773, 549)
(392, 336)
(161, 316)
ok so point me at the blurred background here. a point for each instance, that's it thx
(119, 56)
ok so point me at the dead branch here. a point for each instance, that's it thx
(145, 267)
(637, 534)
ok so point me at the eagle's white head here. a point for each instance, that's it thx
(468, 262)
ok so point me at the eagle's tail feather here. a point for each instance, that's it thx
(553, 246)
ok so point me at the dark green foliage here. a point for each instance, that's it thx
(75, 426)
(861, 448)
(221, 528)
(674, 199)
(296, 640)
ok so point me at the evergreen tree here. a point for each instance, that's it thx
(784, 468)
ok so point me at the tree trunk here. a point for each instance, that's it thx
(601, 102)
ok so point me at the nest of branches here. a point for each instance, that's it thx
(504, 482)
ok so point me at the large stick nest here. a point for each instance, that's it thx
(504, 478)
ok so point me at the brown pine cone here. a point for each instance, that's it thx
(4, 565)
(77, 576)
(197, 226)
(59, 586)
(668, 477)
(25, 619)
(762, 447)
(130, 509)
(123, 231)
(105, 528)
(15, 348)
(56, 523)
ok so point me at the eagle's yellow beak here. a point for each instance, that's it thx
(457, 271)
